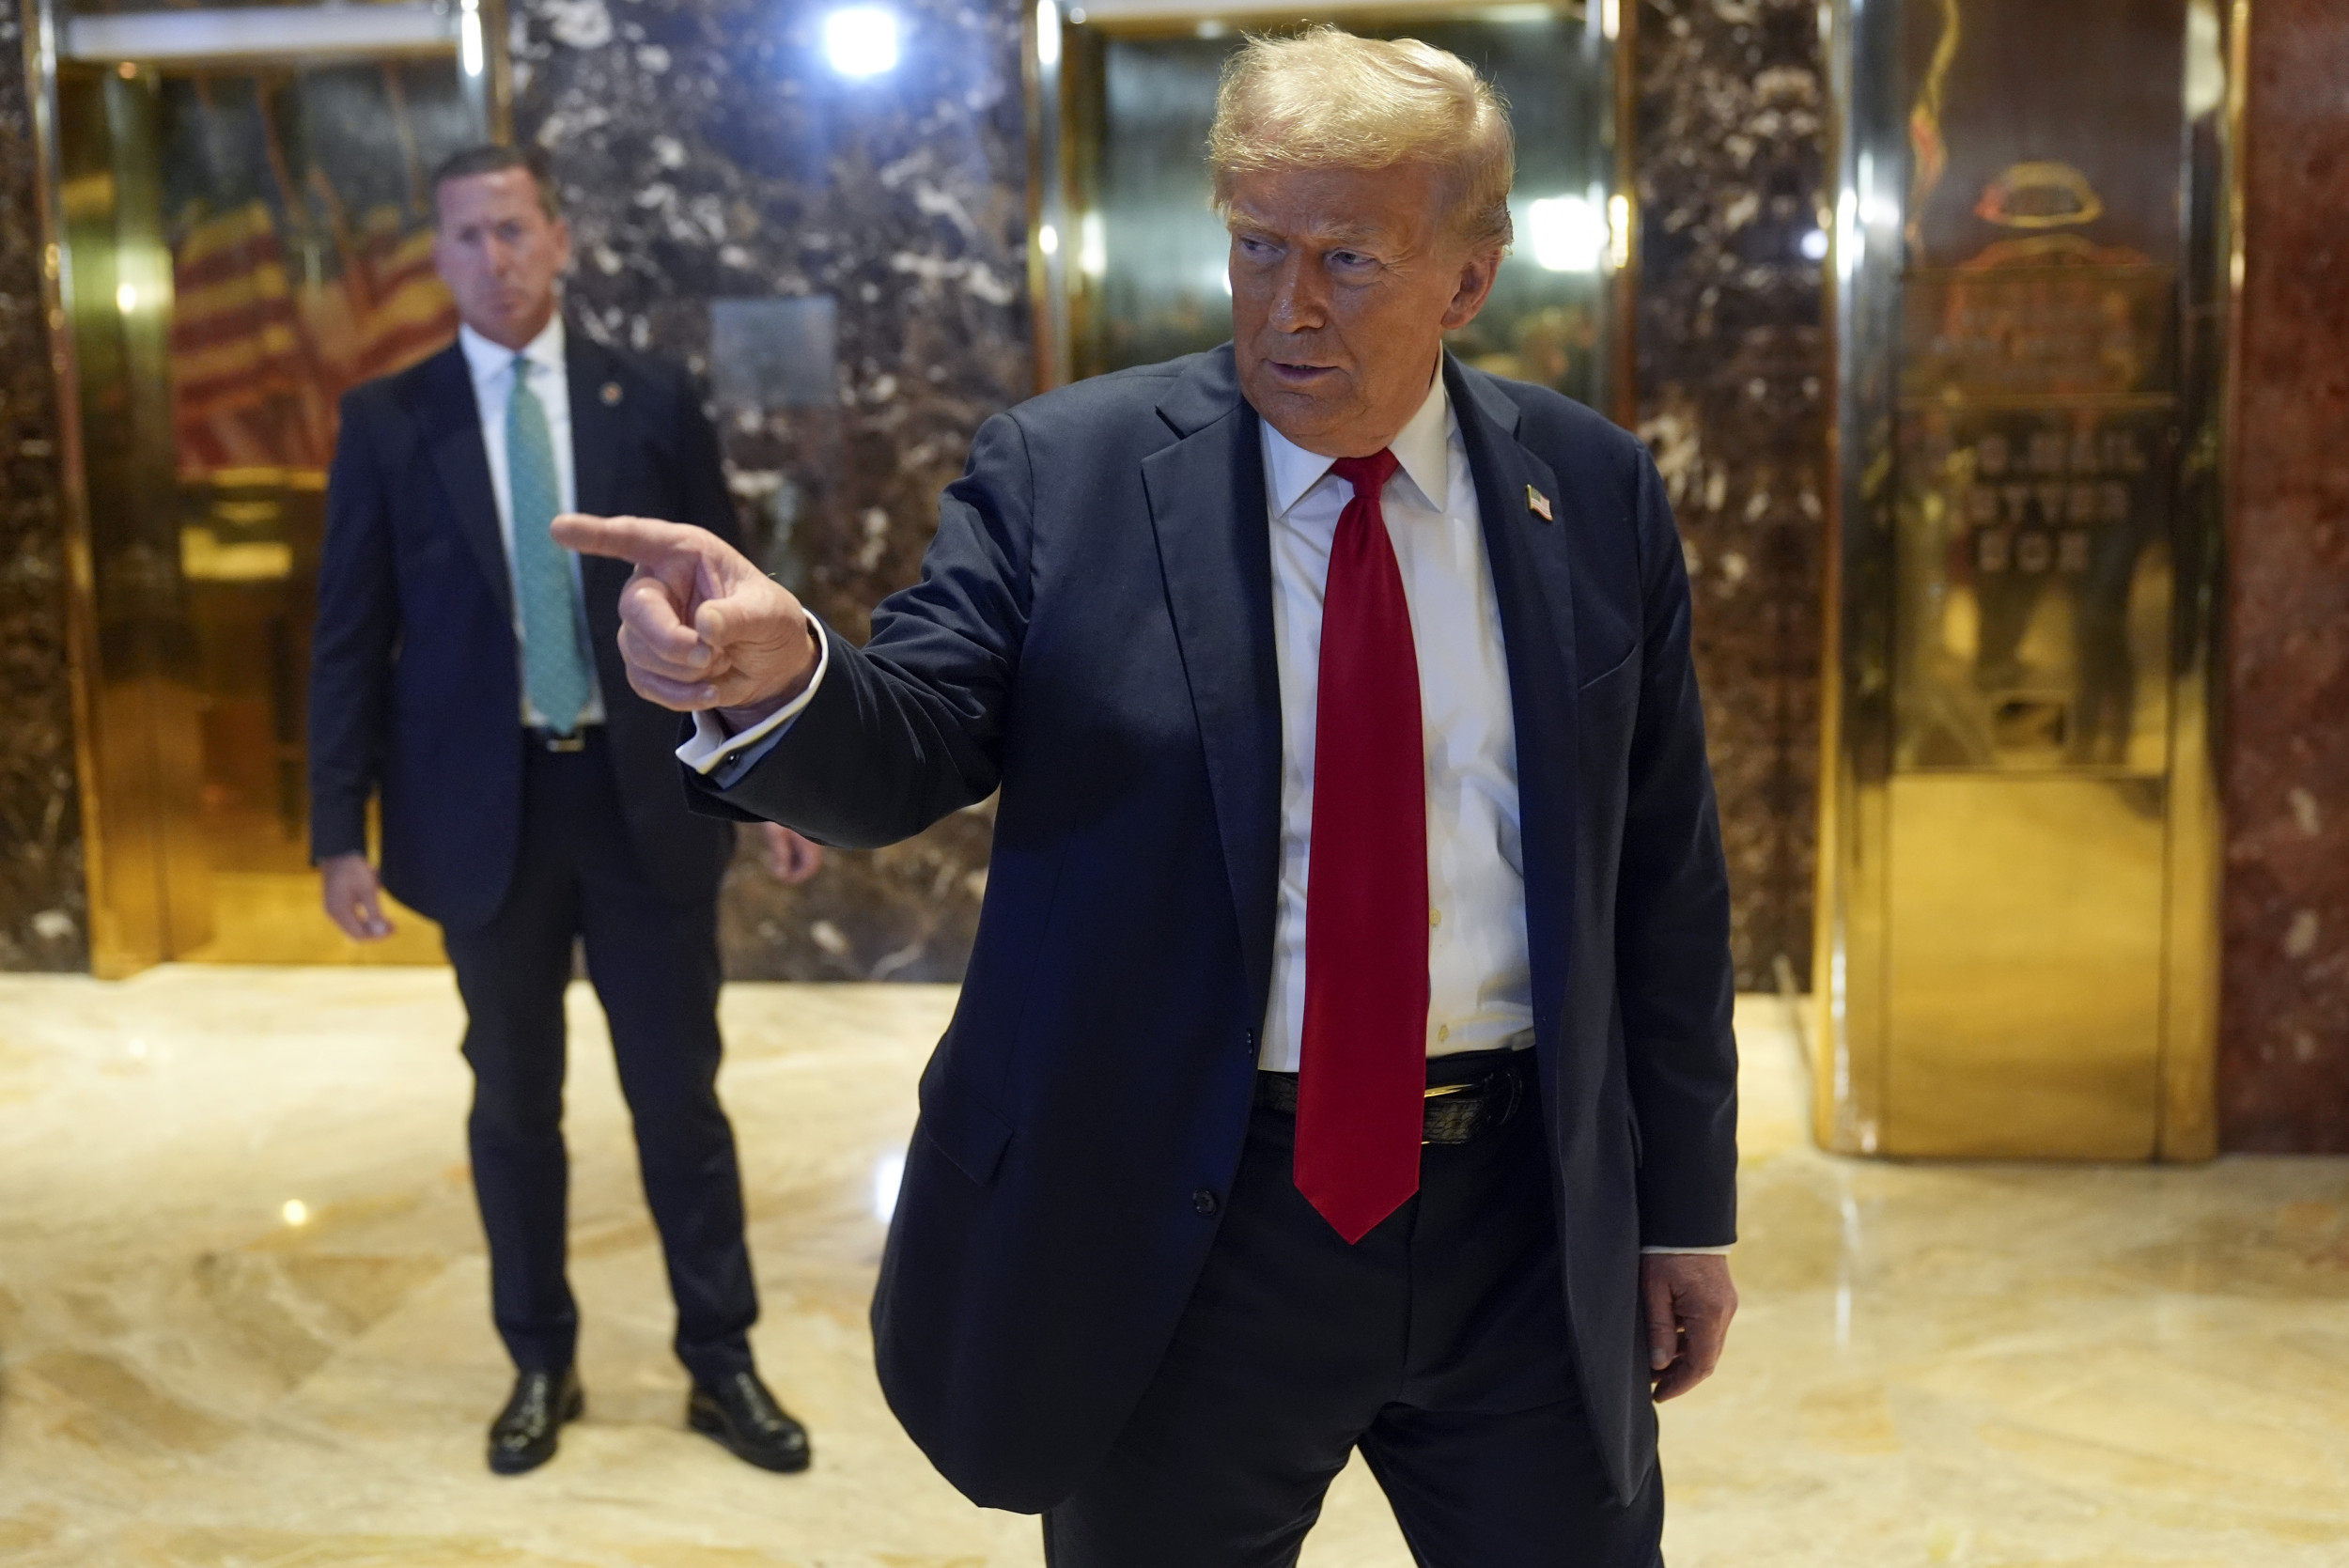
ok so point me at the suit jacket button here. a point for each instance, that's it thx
(1203, 1201)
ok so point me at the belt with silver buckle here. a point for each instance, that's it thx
(556, 740)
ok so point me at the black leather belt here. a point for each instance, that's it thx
(557, 742)
(1473, 1093)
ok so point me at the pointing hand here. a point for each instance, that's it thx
(701, 627)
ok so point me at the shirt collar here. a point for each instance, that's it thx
(488, 361)
(1424, 447)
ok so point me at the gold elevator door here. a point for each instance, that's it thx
(242, 242)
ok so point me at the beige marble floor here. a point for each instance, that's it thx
(241, 1319)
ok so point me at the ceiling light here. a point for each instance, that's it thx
(861, 40)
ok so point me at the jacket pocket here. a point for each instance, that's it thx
(971, 1137)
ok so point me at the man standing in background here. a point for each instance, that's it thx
(465, 677)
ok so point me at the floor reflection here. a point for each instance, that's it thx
(242, 1318)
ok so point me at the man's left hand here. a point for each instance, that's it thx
(1689, 1302)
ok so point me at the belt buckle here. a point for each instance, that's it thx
(1440, 1091)
(1502, 1084)
(562, 745)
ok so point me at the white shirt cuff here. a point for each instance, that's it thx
(724, 758)
(1693, 1251)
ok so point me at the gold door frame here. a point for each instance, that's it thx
(1062, 40)
(1856, 992)
(144, 868)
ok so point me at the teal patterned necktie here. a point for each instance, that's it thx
(555, 667)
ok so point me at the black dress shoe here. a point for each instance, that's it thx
(738, 1412)
(524, 1434)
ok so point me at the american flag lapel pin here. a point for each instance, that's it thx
(1538, 503)
(610, 394)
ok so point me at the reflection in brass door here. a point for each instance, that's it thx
(242, 242)
(1131, 261)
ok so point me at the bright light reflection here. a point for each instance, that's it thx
(469, 50)
(861, 40)
(296, 1212)
(1567, 234)
(1047, 32)
(889, 1172)
(1618, 233)
(1815, 245)
(1048, 240)
(1092, 246)
(126, 299)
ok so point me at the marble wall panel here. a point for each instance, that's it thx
(42, 903)
(1732, 400)
(2284, 1054)
(707, 152)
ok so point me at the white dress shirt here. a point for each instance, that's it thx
(493, 367)
(1479, 978)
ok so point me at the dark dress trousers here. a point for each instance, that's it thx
(1093, 634)
(518, 851)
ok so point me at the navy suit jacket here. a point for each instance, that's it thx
(1093, 634)
(416, 690)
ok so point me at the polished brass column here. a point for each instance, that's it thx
(2019, 839)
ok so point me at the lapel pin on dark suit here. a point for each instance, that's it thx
(610, 395)
(1537, 504)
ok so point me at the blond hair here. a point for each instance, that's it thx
(1325, 99)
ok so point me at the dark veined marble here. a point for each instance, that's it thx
(44, 906)
(845, 259)
(2284, 1069)
(1732, 401)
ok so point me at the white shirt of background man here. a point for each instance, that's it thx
(492, 368)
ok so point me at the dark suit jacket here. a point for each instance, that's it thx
(1093, 633)
(415, 685)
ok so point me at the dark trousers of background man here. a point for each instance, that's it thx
(654, 964)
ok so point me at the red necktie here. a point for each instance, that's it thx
(1362, 1089)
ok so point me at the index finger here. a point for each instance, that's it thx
(647, 542)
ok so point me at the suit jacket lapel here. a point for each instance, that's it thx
(596, 431)
(1207, 495)
(1535, 594)
(452, 418)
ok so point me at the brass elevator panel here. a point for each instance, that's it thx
(2018, 851)
(151, 891)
